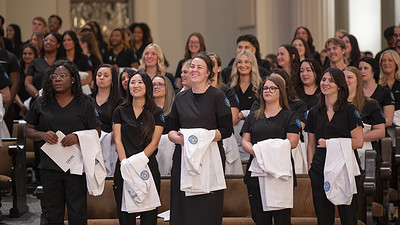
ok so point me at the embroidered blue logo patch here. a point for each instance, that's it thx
(227, 103)
(327, 186)
(392, 96)
(383, 116)
(6, 76)
(95, 112)
(96, 162)
(357, 114)
(162, 117)
(298, 122)
(145, 175)
(237, 98)
(193, 139)
(306, 115)
(90, 63)
(175, 85)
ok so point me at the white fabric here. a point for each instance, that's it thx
(233, 163)
(367, 145)
(139, 192)
(164, 155)
(110, 155)
(28, 101)
(273, 167)
(201, 165)
(299, 155)
(3, 127)
(244, 156)
(340, 170)
(92, 161)
(396, 118)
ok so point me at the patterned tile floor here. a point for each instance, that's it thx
(30, 218)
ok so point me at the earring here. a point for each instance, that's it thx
(72, 82)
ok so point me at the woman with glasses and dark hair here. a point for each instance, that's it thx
(273, 120)
(137, 127)
(332, 118)
(63, 107)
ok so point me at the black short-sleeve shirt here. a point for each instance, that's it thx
(37, 68)
(95, 63)
(83, 63)
(73, 117)
(9, 61)
(310, 100)
(395, 94)
(131, 128)
(231, 95)
(124, 59)
(4, 79)
(247, 98)
(340, 126)
(383, 96)
(105, 112)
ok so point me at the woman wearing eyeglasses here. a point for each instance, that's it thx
(63, 107)
(274, 120)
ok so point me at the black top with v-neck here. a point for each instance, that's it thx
(395, 93)
(105, 112)
(340, 126)
(383, 96)
(131, 128)
(246, 99)
(70, 118)
(37, 69)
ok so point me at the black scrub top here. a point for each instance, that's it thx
(105, 112)
(247, 98)
(231, 95)
(83, 63)
(395, 94)
(131, 128)
(37, 68)
(372, 115)
(310, 100)
(209, 110)
(124, 59)
(4, 79)
(95, 63)
(73, 117)
(340, 126)
(9, 61)
(178, 71)
(383, 96)
(173, 81)
(286, 121)
(299, 107)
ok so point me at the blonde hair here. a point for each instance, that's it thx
(255, 78)
(160, 59)
(383, 76)
(169, 95)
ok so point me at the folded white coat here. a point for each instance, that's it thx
(109, 154)
(91, 161)
(340, 170)
(233, 163)
(164, 155)
(139, 192)
(201, 164)
(273, 167)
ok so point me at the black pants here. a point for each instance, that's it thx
(60, 188)
(193, 210)
(281, 217)
(324, 209)
(146, 218)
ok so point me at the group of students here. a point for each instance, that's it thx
(180, 124)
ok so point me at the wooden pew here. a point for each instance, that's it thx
(369, 184)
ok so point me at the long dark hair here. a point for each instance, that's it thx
(147, 39)
(114, 95)
(59, 49)
(130, 73)
(201, 42)
(309, 38)
(78, 49)
(294, 62)
(76, 89)
(316, 69)
(148, 123)
(343, 90)
(35, 53)
(290, 92)
(17, 36)
(355, 50)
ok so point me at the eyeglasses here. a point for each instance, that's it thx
(49, 40)
(270, 89)
(194, 42)
(58, 76)
(160, 85)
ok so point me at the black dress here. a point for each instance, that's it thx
(209, 110)
(131, 128)
(340, 126)
(286, 121)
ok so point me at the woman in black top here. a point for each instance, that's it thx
(141, 38)
(106, 95)
(119, 54)
(289, 60)
(194, 44)
(13, 33)
(369, 70)
(352, 55)
(390, 74)
(333, 117)
(307, 88)
(89, 46)
(124, 77)
(305, 34)
(274, 119)
(50, 52)
(63, 107)
(302, 47)
(201, 106)
(153, 63)
(73, 52)
(137, 127)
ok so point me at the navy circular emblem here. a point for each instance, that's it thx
(145, 175)
(237, 98)
(298, 122)
(227, 103)
(193, 139)
(327, 186)
(357, 114)
(392, 96)
(162, 117)
(95, 112)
